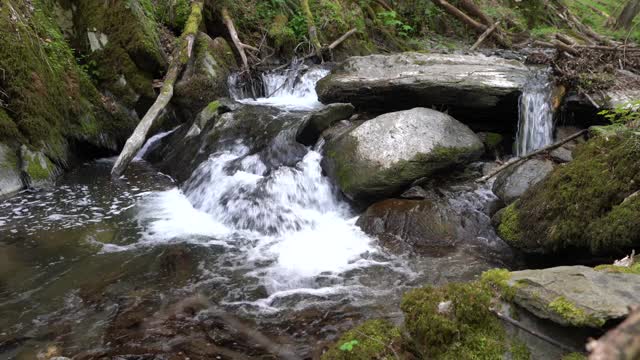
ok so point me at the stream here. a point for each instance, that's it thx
(265, 260)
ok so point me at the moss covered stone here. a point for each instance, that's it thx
(374, 339)
(584, 205)
(572, 314)
(454, 322)
(50, 99)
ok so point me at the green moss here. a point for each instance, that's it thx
(467, 330)
(509, 228)
(374, 339)
(633, 269)
(499, 280)
(213, 106)
(572, 314)
(38, 167)
(493, 140)
(582, 204)
(520, 351)
(574, 356)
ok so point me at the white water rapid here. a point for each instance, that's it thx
(535, 125)
(291, 89)
(287, 224)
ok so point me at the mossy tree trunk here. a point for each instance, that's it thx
(181, 57)
(233, 33)
(311, 25)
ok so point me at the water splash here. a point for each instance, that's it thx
(151, 143)
(290, 89)
(535, 125)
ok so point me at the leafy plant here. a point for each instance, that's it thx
(391, 19)
(348, 346)
(623, 114)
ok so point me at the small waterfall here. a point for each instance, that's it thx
(151, 143)
(289, 89)
(535, 125)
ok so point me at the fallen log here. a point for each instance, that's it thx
(471, 8)
(518, 160)
(565, 39)
(311, 26)
(566, 48)
(231, 28)
(342, 38)
(480, 28)
(484, 36)
(621, 343)
(180, 59)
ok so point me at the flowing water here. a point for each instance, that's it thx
(535, 125)
(270, 248)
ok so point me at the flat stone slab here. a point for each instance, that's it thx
(406, 80)
(576, 295)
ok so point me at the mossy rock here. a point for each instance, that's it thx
(374, 339)
(38, 170)
(586, 205)
(205, 78)
(51, 100)
(453, 322)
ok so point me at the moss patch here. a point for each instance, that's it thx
(499, 280)
(467, 329)
(633, 269)
(582, 205)
(572, 314)
(574, 356)
(374, 339)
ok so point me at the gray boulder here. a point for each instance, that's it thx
(514, 181)
(407, 80)
(10, 181)
(39, 171)
(317, 122)
(575, 295)
(384, 155)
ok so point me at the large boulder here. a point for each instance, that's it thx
(472, 85)
(575, 295)
(511, 183)
(317, 122)
(205, 77)
(585, 207)
(384, 155)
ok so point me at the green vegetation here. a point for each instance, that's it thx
(574, 356)
(374, 339)
(585, 204)
(633, 269)
(572, 314)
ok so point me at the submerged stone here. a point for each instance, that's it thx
(384, 155)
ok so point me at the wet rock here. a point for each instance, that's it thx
(205, 77)
(415, 193)
(264, 131)
(413, 225)
(317, 122)
(561, 155)
(473, 83)
(382, 156)
(10, 181)
(511, 183)
(38, 169)
(575, 295)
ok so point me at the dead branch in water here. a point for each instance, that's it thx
(181, 57)
(528, 156)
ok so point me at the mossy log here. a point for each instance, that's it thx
(233, 33)
(311, 25)
(181, 57)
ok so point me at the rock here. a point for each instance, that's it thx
(414, 225)
(512, 182)
(475, 84)
(38, 169)
(317, 122)
(415, 193)
(575, 295)
(205, 77)
(580, 208)
(561, 155)
(382, 156)
(265, 131)
(10, 181)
